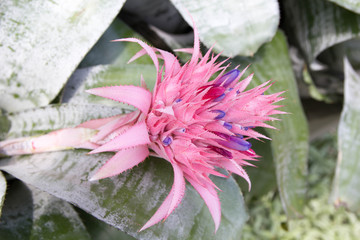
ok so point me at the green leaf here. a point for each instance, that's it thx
(54, 218)
(352, 5)
(347, 176)
(118, 53)
(2, 191)
(5, 125)
(313, 90)
(235, 27)
(263, 175)
(38, 121)
(290, 142)
(41, 44)
(32, 214)
(333, 57)
(318, 24)
(128, 200)
(99, 230)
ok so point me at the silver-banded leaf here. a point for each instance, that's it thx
(128, 200)
(2, 190)
(319, 24)
(352, 5)
(38, 121)
(32, 214)
(5, 125)
(16, 220)
(290, 142)
(54, 218)
(42, 42)
(112, 69)
(347, 176)
(235, 27)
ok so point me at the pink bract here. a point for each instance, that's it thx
(196, 124)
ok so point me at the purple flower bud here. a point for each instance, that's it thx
(227, 78)
(239, 144)
(220, 112)
(167, 141)
(222, 135)
(221, 97)
(239, 135)
(234, 142)
(227, 125)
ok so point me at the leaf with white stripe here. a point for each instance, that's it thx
(46, 119)
(235, 27)
(352, 5)
(319, 24)
(347, 176)
(42, 42)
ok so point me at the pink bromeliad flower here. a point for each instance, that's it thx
(195, 123)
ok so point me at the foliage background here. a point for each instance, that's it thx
(306, 185)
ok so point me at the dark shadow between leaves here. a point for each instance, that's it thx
(17, 215)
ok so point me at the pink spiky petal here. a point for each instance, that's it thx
(179, 188)
(119, 122)
(96, 123)
(211, 199)
(160, 213)
(171, 201)
(135, 135)
(196, 53)
(149, 50)
(232, 166)
(122, 161)
(133, 95)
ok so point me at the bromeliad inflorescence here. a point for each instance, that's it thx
(195, 123)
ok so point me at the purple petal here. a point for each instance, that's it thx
(227, 78)
(227, 125)
(220, 115)
(235, 143)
